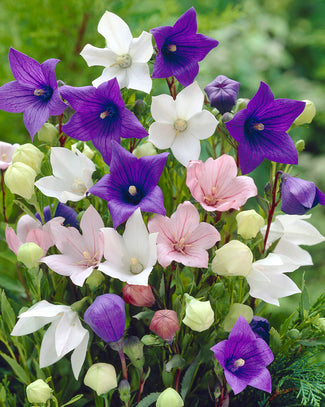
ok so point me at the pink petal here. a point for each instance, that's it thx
(41, 238)
(90, 224)
(63, 264)
(204, 236)
(26, 224)
(13, 240)
(186, 219)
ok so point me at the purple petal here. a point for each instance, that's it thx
(236, 126)
(15, 97)
(110, 92)
(320, 197)
(130, 125)
(81, 99)
(149, 169)
(35, 116)
(100, 189)
(262, 381)
(55, 104)
(263, 96)
(298, 195)
(250, 157)
(160, 34)
(80, 126)
(120, 211)
(153, 202)
(162, 69)
(186, 24)
(278, 146)
(48, 69)
(25, 69)
(122, 163)
(103, 141)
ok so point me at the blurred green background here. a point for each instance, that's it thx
(281, 42)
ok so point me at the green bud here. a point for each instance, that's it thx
(241, 104)
(139, 107)
(133, 348)
(169, 398)
(83, 148)
(151, 340)
(29, 155)
(199, 315)
(307, 115)
(38, 392)
(101, 377)
(167, 377)
(20, 179)
(300, 145)
(79, 305)
(95, 280)
(144, 150)
(30, 254)
(294, 333)
(124, 391)
(235, 311)
(275, 340)
(48, 133)
(226, 117)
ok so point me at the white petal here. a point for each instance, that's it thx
(54, 187)
(189, 101)
(80, 277)
(186, 148)
(202, 125)
(141, 278)
(44, 309)
(161, 135)
(98, 56)
(68, 334)
(114, 247)
(136, 237)
(26, 326)
(293, 253)
(63, 162)
(116, 33)
(79, 354)
(48, 355)
(122, 272)
(141, 48)
(107, 74)
(163, 109)
(139, 77)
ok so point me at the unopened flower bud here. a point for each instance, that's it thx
(233, 259)
(30, 254)
(241, 104)
(144, 150)
(29, 155)
(38, 392)
(83, 148)
(307, 115)
(235, 311)
(151, 340)
(138, 295)
(261, 328)
(101, 377)
(20, 178)
(48, 133)
(226, 117)
(300, 145)
(222, 93)
(165, 324)
(199, 314)
(95, 280)
(169, 398)
(294, 333)
(133, 348)
(139, 107)
(124, 390)
(249, 223)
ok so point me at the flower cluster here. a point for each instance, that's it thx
(148, 259)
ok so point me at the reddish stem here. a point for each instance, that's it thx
(123, 363)
(172, 87)
(141, 385)
(178, 376)
(62, 137)
(274, 204)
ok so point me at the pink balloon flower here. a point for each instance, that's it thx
(216, 186)
(183, 238)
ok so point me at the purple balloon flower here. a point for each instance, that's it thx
(261, 130)
(101, 116)
(106, 317)
(131, 184)
(299, 196)
(69, 215)
(222, 93)
(180, 49)
(261, 328)
(244, 358)
(34, 92)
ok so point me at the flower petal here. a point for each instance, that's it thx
(162, 135)
(163, 109)
(15, 97)
(186, 148)
(98, 56)
(189, 101)
(202, 125)
(141, 48)
(25, 69)
(139, 77)
(116, 33)
(35, 116)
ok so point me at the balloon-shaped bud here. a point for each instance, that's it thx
(199, 314)
(249, 223)
(20, 178)
(29, 155)
(30, 254)
(101, 377)
(38, 392)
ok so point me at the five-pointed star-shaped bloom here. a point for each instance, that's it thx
(124, 58)
(101, 116)
(81, 253)
(180, 49)
(183, 238)
(71, 175)
(180, 124)
(244, 358)
(64, 334)
(131, 184)
(34, 92)
(132, 256)
(261, 130)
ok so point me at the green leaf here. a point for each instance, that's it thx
(162, 286)
(7, 312)
(144, 314)
(175, 362)
(188, 377)
(18, 370)
(313, 341)
(75, 398)
(147, 401)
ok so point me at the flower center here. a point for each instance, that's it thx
(172, 47)
(44, 93)
(258, 126)
(3, 157)
(135, 266)
(239, 362)
(180, 244)
(132, 190)
(180, 125)
(109, 112)
(234, 365)
(211, 199)
(79, 186)
(90, 261)
(123, 61)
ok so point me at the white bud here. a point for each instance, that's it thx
(20, 178)
(235, 311)
(30, 254)
(29, 155)
(169, 398)
(38, 392)
(249, 223)
(199, 314)
(101, 377)
(233, 259)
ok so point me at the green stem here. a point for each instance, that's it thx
(3, 196)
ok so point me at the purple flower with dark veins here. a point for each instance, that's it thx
(180, 49)
(101, 116)
(34, 92)
(131, 184)
(261, 328)
(69, 215)
(222, 93)
(261, 130)
(299, 196)
(244, 358)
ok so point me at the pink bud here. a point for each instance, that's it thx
(165, 324)
(138, 295)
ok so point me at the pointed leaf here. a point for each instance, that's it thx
(147, 401)
(18, 370)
